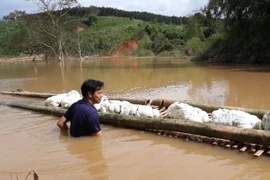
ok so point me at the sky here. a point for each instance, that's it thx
(163, 7)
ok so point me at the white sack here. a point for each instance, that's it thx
(63, 100)
(70, 98)
(55, 100)
(266, 121)
(236, 118)
(186, 112)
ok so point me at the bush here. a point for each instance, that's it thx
(144, 52)
(194, 46)
(145, 42)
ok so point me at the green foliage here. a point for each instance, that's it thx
(144, 52)
(108, 33)
(145, 42)
(195, 28)
(90, 20)
(174, 53)
(144, 16)
(213, 39)
(103, 35)
(246, 31)
(194, 46)
(10, 44)
(83, 12)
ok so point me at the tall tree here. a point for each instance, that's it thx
(51, 28)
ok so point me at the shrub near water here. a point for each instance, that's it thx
(194, 46)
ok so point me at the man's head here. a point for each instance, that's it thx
(91, 90)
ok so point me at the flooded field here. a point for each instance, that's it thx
(31, 141)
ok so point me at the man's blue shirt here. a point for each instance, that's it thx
(84, 119)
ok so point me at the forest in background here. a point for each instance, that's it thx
(222, 31)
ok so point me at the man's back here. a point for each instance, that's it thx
(84, 119)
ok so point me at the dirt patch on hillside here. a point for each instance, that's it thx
(126, 48)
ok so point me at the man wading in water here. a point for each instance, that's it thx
(83, 116)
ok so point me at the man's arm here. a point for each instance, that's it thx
(92, 124)
(62, 123)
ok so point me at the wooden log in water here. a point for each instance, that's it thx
(28, 94)
(142, 123)
(245, 147)
(253, 148)
(47, 95)
(223, 142)
(237, 145)
(260, 151)
(230, 144)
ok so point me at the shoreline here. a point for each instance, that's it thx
(41, 58)
(21, 59)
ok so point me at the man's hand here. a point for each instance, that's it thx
(99, 133)
(62, 123)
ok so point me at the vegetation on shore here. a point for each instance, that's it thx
(223, 31)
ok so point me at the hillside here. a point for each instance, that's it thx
(108, 33)
(224, 31)
(95, 31)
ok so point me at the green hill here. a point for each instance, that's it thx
(116, 32)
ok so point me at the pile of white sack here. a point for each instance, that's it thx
(177, 110)
(126, 108)
(64, 100)
(226, 117)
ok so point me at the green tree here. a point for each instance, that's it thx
(11, 40)
(246, 28)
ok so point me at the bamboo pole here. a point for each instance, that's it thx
(47, 95)
(28, 94)
(142, 123)
(133, 101)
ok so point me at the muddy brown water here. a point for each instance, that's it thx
(31, 141)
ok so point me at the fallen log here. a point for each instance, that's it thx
(142, 123)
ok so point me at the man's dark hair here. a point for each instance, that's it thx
(92, 86)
